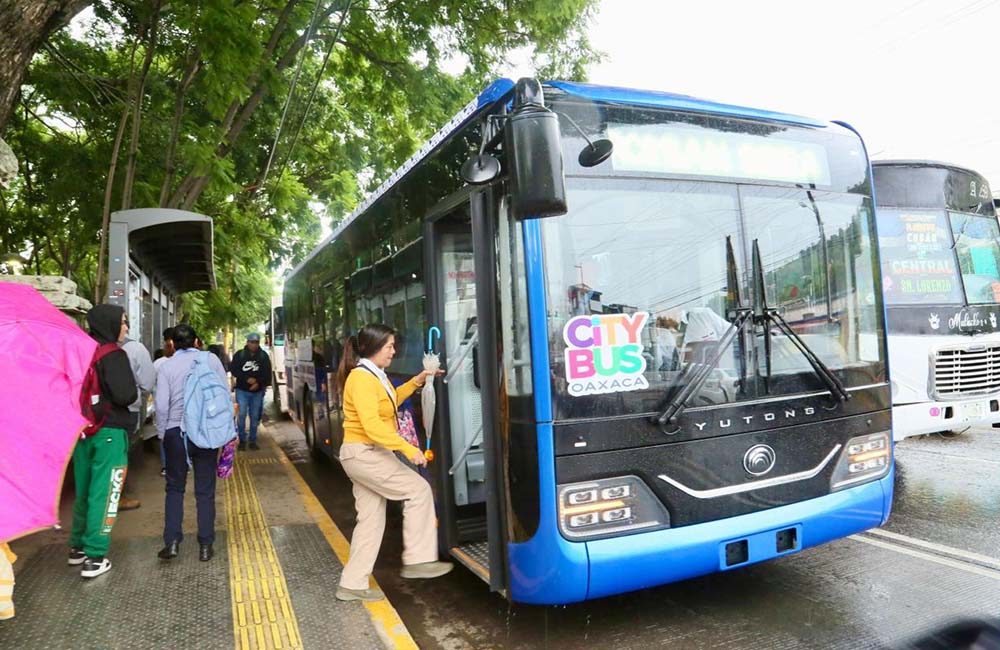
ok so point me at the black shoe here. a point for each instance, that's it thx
(205, 552)
(169, 551)
(253, 446)
(95, 566)
(76, 556)
(242, 446)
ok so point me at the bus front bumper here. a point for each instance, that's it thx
(930, 417)
(550, 570)
(640, 561)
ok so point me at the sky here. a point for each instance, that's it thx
(917, 78)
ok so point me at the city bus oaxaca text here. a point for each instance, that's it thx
(662, 325)
(938, 238)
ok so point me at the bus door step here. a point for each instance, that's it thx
(475, 556)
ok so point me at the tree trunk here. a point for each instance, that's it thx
(192, 68)
(238, 117)
(140, 89)
(24, 26)
(106, 216)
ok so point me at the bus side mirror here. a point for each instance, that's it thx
(534, 148)
(534, 156)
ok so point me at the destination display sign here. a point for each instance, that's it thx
(918, 262)
(678, 149)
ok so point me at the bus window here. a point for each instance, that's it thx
(651, 250)
(812, 245)
(513, 306)
(976, 240)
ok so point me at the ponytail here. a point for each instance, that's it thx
(369, 340)
(348, 360)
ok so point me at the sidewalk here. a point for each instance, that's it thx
(271, 584)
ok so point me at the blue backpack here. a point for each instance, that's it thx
(208, 408)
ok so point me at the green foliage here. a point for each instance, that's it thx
(227, 65)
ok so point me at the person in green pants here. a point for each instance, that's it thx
(100, 461)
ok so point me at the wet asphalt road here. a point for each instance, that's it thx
(937, 561)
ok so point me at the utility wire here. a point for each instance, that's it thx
(291, 90)
(312, 93)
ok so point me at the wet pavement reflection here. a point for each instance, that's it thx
(937, 561)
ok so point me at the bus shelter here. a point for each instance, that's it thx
(155, 255)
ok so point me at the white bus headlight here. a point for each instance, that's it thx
(863, 458)
(609, 507)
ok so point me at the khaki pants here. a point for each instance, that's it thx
(7, 558)
(378, 475)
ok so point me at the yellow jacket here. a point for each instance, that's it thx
(370, 415)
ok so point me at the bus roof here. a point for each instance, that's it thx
(501, 89)
(923, 163)
(659, 99)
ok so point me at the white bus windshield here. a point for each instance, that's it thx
(978, 251)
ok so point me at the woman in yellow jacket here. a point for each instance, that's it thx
(370, 438)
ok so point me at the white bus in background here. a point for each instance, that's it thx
(939, 244)
(276, 350)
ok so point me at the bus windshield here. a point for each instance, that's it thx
(278, 325)
(637, 290)
(924, 251)
(978, 251)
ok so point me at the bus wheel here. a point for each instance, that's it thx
(308, 423)
(276, 398)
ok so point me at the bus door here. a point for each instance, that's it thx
(468, 490)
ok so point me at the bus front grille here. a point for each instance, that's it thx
(967, 370)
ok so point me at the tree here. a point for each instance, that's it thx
(178, 104)
(25, 24)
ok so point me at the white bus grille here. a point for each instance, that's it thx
(973, 370)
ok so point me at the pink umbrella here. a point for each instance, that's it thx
(43, 359)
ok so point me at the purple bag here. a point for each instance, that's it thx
(226, 459)
(407, 428)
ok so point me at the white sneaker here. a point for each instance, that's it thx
(95, 566)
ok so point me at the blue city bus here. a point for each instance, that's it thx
(663, 330)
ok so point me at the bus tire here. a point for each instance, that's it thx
(309, 424)
(276, 390)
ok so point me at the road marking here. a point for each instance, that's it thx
(385, 618)
(948, 562)
(254, 569)
(952, 456)
(976, 558)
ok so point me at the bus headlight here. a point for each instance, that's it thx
(864, 458)
(608, 507)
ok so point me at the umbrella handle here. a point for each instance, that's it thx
(431, 337)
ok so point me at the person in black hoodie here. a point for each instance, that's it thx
(251, 368)
(101, 460)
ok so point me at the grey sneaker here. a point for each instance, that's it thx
(343, 593)
(426, 570)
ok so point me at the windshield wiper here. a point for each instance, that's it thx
(764, 314)
(690, 381)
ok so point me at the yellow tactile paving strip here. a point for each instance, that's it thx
(384, 617)
(262, 610)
